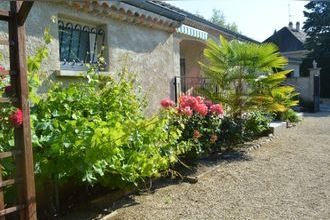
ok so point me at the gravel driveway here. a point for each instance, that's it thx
(287, 178)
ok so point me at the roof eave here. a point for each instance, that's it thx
(157, 9)
(221, 29)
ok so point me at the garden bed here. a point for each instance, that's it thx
(104, 204)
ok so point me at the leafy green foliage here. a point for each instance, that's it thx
(317, 28)
(290, 116)
(91, 131)
(202, 132)
(219, 18)
(33, 64)
(237, 130)
(243, 72)
(256, 124)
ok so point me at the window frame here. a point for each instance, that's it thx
(96, 46)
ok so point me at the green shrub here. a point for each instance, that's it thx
(97, 132)
(231, 131)
(290, 116)
(256, 124)
(238, 130)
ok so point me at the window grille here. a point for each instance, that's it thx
(79, 44)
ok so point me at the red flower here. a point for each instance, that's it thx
(187, 101)
(216, 109)
(196, 134)
(1, 69)
(8, 89)
(213, 138)
(208, 103)
(199, 100)
(167, 103)
(202, 109)
(16, 118)
(187, 111)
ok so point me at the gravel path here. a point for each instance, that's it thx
(287, 178)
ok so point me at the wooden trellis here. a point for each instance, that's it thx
(23, 154)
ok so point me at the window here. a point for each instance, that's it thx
(79, 44)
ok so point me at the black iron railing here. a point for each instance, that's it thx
(192, 86)
(79, 44)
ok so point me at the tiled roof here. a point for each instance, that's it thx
(288, 40)
(125, 12)
(152, 13)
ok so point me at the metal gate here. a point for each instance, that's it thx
(192, 86)
(24, 177)
(316, 93)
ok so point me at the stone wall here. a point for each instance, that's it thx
(295, 67)
(303, 86)
(152, 54)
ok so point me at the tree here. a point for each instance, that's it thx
(317, 27)
(219, 18)
(242, 77)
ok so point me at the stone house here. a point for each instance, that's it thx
(290, 41)
(161, 42)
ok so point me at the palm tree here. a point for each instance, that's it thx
(248, 77)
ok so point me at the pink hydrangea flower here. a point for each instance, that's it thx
(187, 100)
(187, 111)
(208, 103)
(202, 109)
(216, 109)
(16, 118)
(199, 100)
(167, 103)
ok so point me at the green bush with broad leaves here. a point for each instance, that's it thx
(96, 130)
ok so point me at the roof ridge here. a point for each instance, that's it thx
(199, 19)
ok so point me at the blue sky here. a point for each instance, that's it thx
(255, 18)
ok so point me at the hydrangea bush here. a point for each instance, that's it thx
(200, 120)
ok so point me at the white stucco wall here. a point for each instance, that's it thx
(154, 54)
